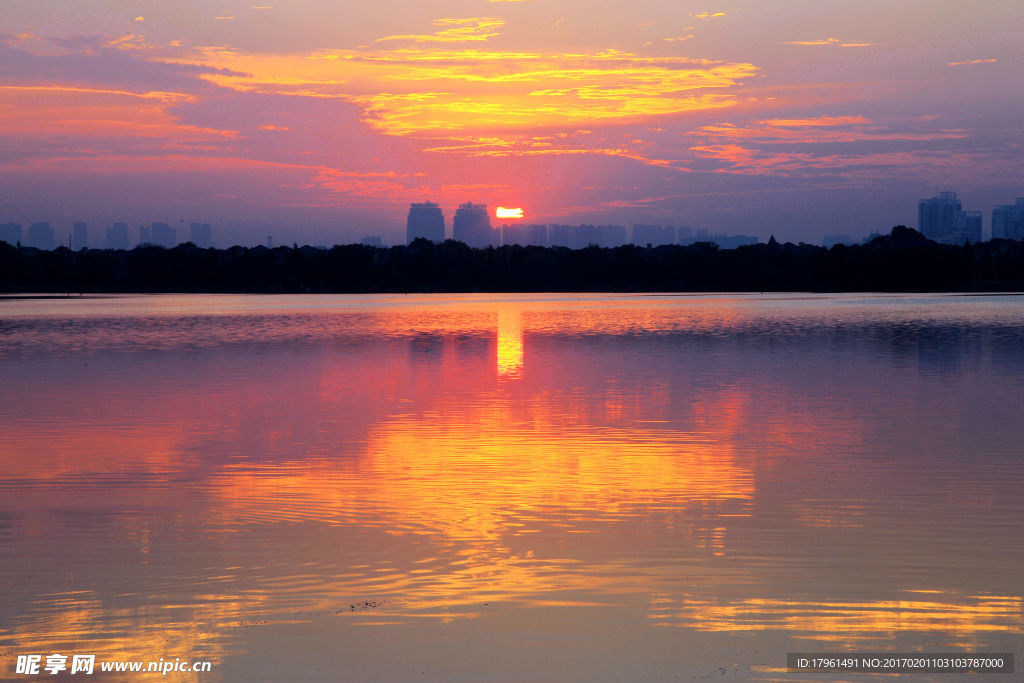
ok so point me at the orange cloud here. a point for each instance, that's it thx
(49, 110)
(131, 41)
(532, 147)
(415, 91)
(473, 29)
(819, 121)
(820, 129)
(734, 154)
(868, 166)
(974, 61)
(829, 41)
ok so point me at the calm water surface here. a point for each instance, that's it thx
(490, 487)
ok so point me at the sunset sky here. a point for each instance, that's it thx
(319, 120)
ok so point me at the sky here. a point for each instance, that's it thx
(320, 121)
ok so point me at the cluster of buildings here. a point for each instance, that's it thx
(942, 218)
(41, 236)
(472, 225)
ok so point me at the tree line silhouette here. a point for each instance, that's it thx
(902, 261)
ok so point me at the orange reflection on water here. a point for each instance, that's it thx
(80, 623)
(503, 483)
(964, 618)
(461, 468)
(473, 463)
(413, 473)
(510, 343)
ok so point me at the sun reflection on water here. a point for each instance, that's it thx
(510, 343)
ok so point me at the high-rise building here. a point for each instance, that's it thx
(525, 235)
(80, 236)
(201, 235)
(1008, 221)
(584, 235)
(372, 241)
(942, 219)
(587, 235)
(40, 235)
(514, 234)
(653, 235)
(968, 228)
(144, 237)
(10, 233)
(117, 236)
(537, 234)
(425, 220)
(472, 225)
(164, 235)
(937, 216)
(612, 235)
(561, 235)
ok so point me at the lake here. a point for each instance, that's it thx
(509, 487)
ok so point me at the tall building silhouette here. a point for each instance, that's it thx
(562, 235)
(163, 234)
(942, 219)
(472, 225)
(653, 235)
(612, 235)
(201, 235)
(425, 220)
(40, 235)
(1008, 221)
(10, 233)
(586, 235)
(537, 234)
(525, 235)
(117, 236)
(968, 227)
(80, 236)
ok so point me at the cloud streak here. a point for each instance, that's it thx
(974, 61)
(835, 42)
(475, 29)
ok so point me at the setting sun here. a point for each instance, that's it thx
(502, 212)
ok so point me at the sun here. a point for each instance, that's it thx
(502, 212)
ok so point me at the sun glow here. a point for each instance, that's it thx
(502, 212)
